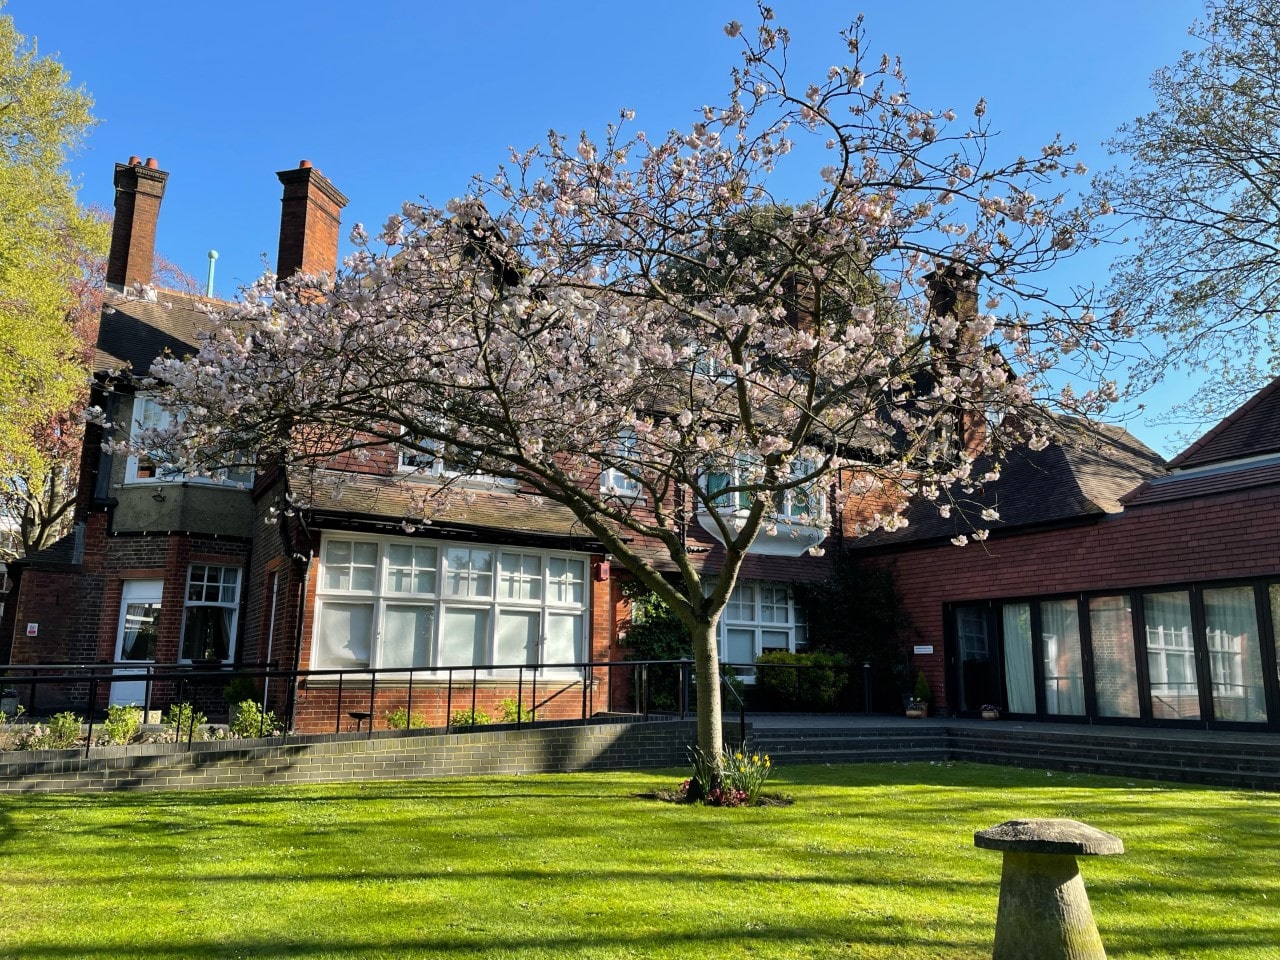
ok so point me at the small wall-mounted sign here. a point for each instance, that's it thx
(33, 629)
(923, 648)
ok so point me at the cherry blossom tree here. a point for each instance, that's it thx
(646, 306)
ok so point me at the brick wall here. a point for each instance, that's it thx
(1230, 536)
(619, 745)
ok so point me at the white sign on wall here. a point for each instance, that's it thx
(926, 648)
(33, 629)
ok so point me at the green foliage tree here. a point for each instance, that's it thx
(46, 241)
(1201, 181)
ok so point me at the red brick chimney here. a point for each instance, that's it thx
(953, 291)
(139, 190)
(309, 222)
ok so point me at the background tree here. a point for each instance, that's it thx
(37, 493)
(44, 244)
(529, 329)
(1201, 181)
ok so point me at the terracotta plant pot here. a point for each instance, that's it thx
(990, 714)
(917, 713)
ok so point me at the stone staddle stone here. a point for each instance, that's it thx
(1044, 912)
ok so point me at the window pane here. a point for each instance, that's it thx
(1115, 667)
(566, 580)
(516, 638)
(365, 554)
(742, 603)
(739, 645)
(206, 635)
(470, 572)
(463, 637)
(1171, 664)
(1019, 663)
(1235, 657)
(400, 555)
(338, 552)
(519, 577)
(342, 640)
(406, 635)
(139, 639)
(564, 639)
(1063, 670)
(774, 639)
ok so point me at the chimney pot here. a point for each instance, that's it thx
(134, 161)
(304, 164)
(152, 164)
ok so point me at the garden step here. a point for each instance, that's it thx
(1224, 760)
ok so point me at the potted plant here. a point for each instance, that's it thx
(990, 711)
(918, 702)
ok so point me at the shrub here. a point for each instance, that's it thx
(469, 718)
(512, 712)
(239, 690)
(922, 694)
(64, 730)
(252, 721)
(814, 681)
(183, 720)
(122, 723)
(399, 719)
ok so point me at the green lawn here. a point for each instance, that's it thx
(871, 861)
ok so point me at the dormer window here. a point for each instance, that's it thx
(432, 459)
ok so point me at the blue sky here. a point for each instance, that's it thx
(397, 99)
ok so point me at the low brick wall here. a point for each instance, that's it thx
(386, 755)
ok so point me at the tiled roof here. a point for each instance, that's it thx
(1251, 431)
(1200, 483)
(1084, 473)
(134, 331)
(395, 499)
(64, 552)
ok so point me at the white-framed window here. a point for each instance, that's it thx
(803, 502)
(761, 616)
(395, 602)
(613, 481)
(157, 466)
(433, 462)
(210, 612)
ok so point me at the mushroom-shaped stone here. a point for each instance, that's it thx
(1044, 910)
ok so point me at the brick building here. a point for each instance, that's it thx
(162, 568)
(1112, 589)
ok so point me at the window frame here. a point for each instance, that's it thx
(764, 593)
(143, 404)
(233, 605)
(443, 601)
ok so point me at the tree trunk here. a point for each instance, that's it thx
(706, 661)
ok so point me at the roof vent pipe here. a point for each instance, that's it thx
(213, 259)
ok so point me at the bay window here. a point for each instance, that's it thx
(156, 466)
(385, 602)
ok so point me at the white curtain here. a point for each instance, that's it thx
(1019, 673)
